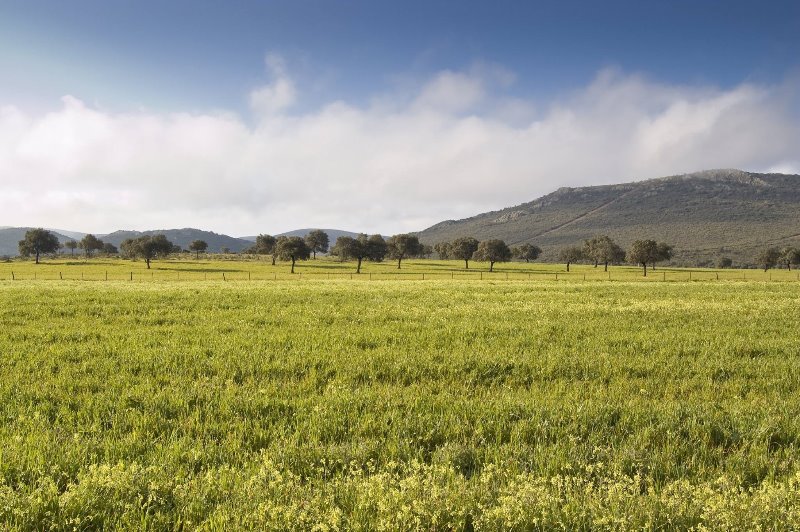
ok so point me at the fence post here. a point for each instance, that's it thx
(556, 276)
(481, 276)
(131, 276)
(34, 276)
(584, 276)
(717, 276)
(61, 276)
(690, 276)
(12, 277)
(81, 276)
(351, 276)
(664, 276)
(106, 275)
(423, 276)
(370, 276)
(223, 276)
(506, 276)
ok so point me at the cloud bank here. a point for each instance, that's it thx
(457, 146)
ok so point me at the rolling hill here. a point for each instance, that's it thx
(183, 237)
(704, 215)
(10, 237)
(333, 234)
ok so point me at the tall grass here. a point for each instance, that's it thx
(396, 405)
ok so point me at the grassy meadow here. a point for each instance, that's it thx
(253, 267)
(328, 404)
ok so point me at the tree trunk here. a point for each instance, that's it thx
(644, 266)
(197, 255)
(273, 259)
(466, 264)
(654, 266)
(595, 263)
(491, 265)
(605, 267)
(358, 268)
(147, 261)
(568, 267)
(72, 252)
(37, 257)
(292, 264)
(766, 268)
(398, 263)
(314, 253)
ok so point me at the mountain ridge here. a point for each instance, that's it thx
(703, 214)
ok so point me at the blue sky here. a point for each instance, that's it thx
(484, 70)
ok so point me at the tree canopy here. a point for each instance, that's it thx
(527, 252)
(317, 241)
(789, 256)
(570, 255)
(89, 244)
(38, 241)
(769, 258)
(403, 246)
(643, 252)
(602, 249)
(492, 251)
(463, 249)
(198, 246)
(147, 247)
(292, 248)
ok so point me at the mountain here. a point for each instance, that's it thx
(704, 215)
(10, 237)
(333, 234)
(183, 237)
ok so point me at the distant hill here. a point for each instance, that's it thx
(333, 234)
(10, 237)
(705, 215)
(183, 237)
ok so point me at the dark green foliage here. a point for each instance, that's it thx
(789, 256)
(317, 241)
(292, 248)
(768, 258)
(372, 248)
(198, 246)
(570, 254)
(442, 249)
(89, 244)
(146, 247)
(463, 249)
(38, 241)
(71, 245)
(526, 252)
(643, 252)
(403, 246)
(109, 248)
(492, 251)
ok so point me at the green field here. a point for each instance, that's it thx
(243, 268)
(435, 405)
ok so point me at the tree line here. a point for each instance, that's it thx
(375, 248)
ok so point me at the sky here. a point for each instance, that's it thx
(267, 116)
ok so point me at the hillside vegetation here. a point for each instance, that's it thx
(704, 215)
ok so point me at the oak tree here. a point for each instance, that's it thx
(38, 241)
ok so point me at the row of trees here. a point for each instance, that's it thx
(40, 241)
(468, 248)
(599, 250)
(771, 257)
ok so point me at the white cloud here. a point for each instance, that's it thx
(458, 147)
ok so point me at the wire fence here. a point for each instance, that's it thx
(239, 276)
